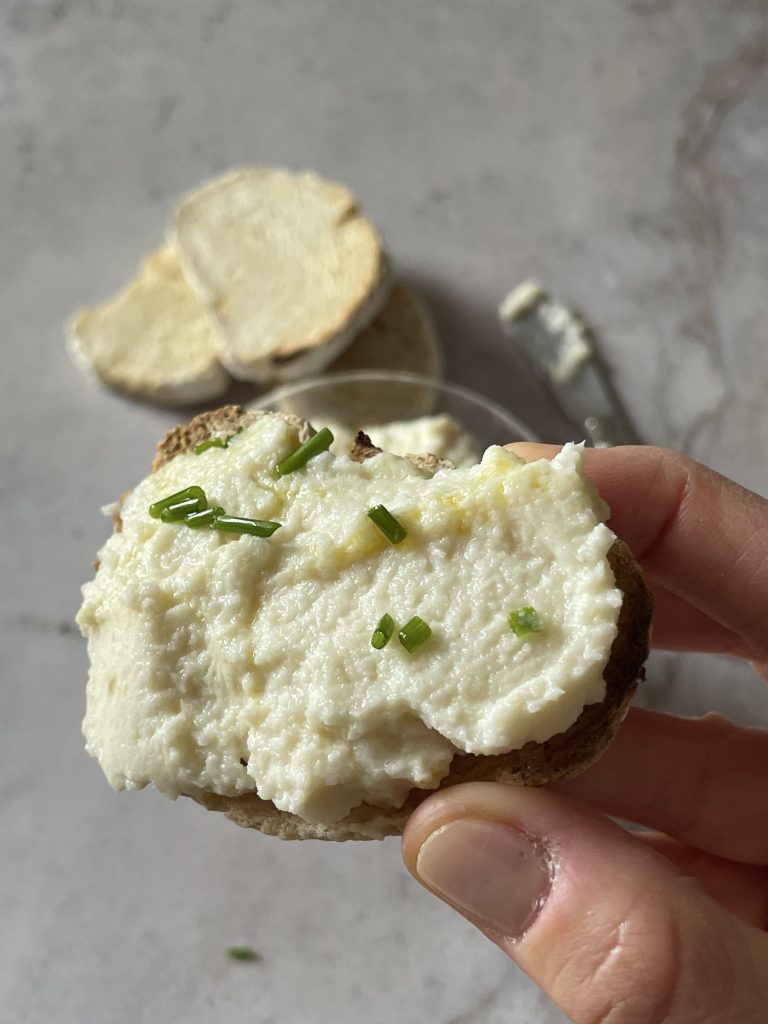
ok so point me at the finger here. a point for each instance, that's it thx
(677, 626)
(740, 888)
(530, 451)
(701, 780)
(700, 536)
(607, 927)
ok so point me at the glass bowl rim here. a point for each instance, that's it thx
(295, 388)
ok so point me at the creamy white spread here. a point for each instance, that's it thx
(237, 664)
(439, 435)
(565, 345)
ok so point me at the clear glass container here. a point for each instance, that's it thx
(367, 399)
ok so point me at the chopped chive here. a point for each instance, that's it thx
(320, 442)
(182, 509)
(525, 621)
(242, 953)
(414, 633)
(238, 524)
(386, 522)
(217, 442)
(198, 493)
(383, 632)
(198, 520)
(212, 442)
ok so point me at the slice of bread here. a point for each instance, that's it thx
(154, 339)
(535, 763)
(401, 337)
(287, 263)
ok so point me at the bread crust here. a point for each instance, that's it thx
(228, 418)
(535, 764)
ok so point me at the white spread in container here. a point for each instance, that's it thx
(236, 664)
(438, 435)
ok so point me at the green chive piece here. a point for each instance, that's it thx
(414, 633)
(175, 499)
(242, 953)
(386, 522)
(320, 442)
(525, 621)
(182, 509)
(217, 442)
(238, 524)
(212, 442)
(199, 520)
(383, 632)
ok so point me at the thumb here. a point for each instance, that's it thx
(609, 928)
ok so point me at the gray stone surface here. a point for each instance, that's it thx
(616, 149)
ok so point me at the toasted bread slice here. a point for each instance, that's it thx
(401, 337)
(535, 763)
(289, 266)
(154, 339)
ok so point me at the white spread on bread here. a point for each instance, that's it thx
(235, 663)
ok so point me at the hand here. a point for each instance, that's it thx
(662, 927)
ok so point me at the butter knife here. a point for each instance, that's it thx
(559, 347)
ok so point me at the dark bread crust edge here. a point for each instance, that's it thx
(218, 421)
(566, 754)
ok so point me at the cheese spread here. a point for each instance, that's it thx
(438, 435)
(235, 663)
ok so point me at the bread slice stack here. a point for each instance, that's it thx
(267, 275)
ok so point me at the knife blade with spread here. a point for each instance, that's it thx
(560, 349)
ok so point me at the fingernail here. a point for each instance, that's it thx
(493, 873)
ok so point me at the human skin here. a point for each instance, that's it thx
(668, 926)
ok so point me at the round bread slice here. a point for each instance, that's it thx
(401, 337)
(154, 339)
(561, 756)
(287, 263)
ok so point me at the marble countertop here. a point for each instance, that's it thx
(615, 148)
